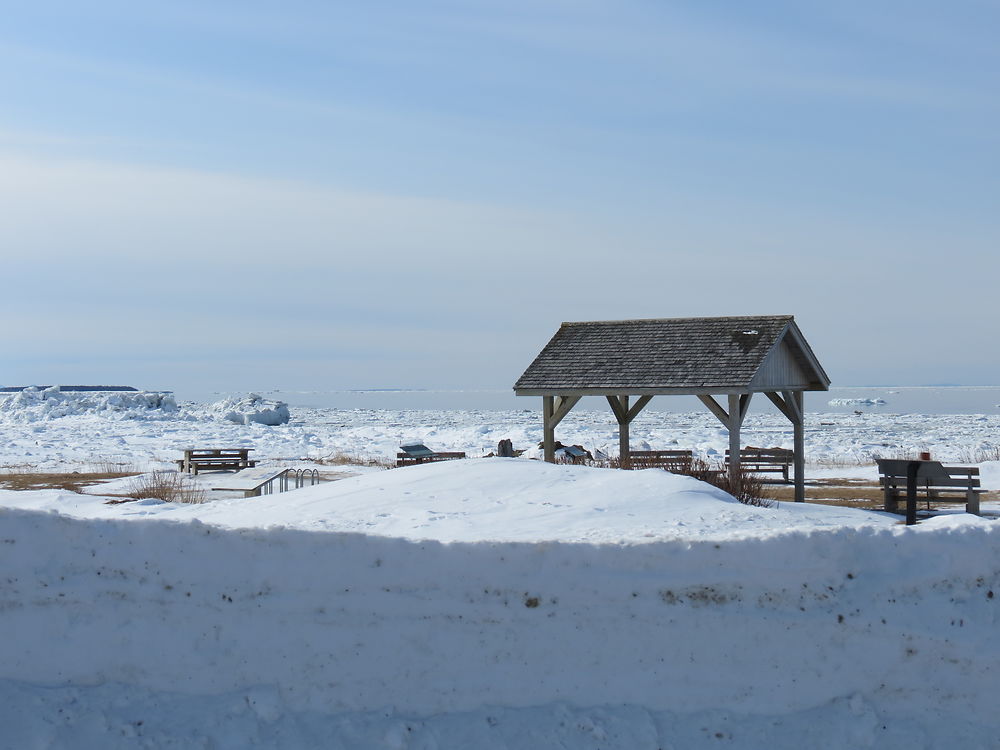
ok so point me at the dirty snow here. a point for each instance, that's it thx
(496, 603)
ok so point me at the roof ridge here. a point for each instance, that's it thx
(672, 320)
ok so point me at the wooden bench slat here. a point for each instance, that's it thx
(405, 459)
(900, 482)
(961, 482)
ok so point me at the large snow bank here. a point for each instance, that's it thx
(441, 606)
(33, 405)
(251, 409)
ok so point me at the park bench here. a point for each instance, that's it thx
(671, 460)
(949, 484)
(255, 482)
(202, 459)
(417, 453)
(765, 460)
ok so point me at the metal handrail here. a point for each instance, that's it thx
(301, 474)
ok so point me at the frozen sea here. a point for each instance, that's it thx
(845, 426)
(881, 399)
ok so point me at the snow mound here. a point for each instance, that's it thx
(491, 500)
(251, 409)
(856, 402)
(496, 604)
(35, 405)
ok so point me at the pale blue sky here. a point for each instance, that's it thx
(416, 194)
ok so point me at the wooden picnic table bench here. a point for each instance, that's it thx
(418, 453)
(766, 460)
(403, 459)
(256, 482)
(660, 459)
(200, 459)
(944, 484)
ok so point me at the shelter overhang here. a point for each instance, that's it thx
(734, 357)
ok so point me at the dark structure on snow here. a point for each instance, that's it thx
(704, 357)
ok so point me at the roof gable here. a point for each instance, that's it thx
(692, 355)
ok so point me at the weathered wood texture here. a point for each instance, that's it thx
(671, 460)
(202, 459)
(403, 459)
(962, 483)
(705, 357)
(766, 460)
(676, 355)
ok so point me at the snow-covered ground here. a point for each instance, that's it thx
(500, 603)
(496, 603)
(60, 437)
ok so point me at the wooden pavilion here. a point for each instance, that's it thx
(704, 357)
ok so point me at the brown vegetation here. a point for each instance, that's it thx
(72, 481)
(168, 486)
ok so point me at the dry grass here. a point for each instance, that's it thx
(853, 493)
(346, 459)
(72, 482)
(168, 486)
(114, 465)
(748, 488)
(978, 456)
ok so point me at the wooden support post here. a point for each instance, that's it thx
(548, 429)
(799, 444)
(624, 416)
(735, 422)
(554, 408)
(623, 441)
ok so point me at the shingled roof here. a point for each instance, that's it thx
(675, 355)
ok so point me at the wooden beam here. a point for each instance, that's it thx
(548, 429)
(554, 408)
(715, 408)
(735, 422)
(616, 407)
(623, 437)
(782, 406)
(744, 405)
(638, 407)
(562, 405)
(795, 399)
(639, 391)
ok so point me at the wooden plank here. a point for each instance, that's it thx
(943, 484)
(638, 407)
(782, 406)
(623, 437)
(744, 405)
(616, 407)
(548, 429)
(665, 453)
(715, 408)
(735, 422)
(772, 457)
(794, 400)
(635, 391)
(562, 405)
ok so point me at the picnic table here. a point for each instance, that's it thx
(196, 459)
(418, 453)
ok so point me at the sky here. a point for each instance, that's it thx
(250, 195)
